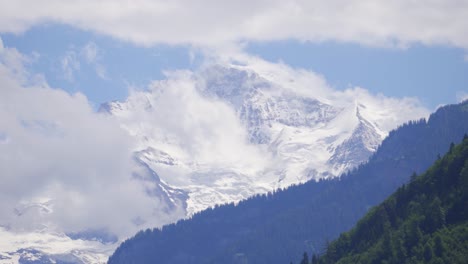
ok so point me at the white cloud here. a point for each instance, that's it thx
(55, 148)
(207, 22)
(14, 62)
(205, 131)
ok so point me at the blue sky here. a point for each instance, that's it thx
(434, 74)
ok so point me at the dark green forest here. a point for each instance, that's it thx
(424, 221)
(278, 227)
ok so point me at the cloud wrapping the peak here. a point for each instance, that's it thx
(203, 130)
(207, 22)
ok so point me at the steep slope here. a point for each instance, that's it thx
(277, 228)
(425, 221)
(276, 136)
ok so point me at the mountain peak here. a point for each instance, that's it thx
(293, 137)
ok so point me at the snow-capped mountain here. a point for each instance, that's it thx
(290, 137)
(216, 135)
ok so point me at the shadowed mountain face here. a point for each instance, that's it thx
(279, 227)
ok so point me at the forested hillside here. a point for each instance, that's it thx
(279, 227)
(425, 221)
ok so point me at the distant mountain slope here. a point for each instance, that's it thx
(425, 221)
(277, 228)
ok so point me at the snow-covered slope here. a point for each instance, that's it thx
(285, 136)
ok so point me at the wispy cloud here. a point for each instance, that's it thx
(92, 56)
(74, 59)
(90, 52)
(70, 65)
